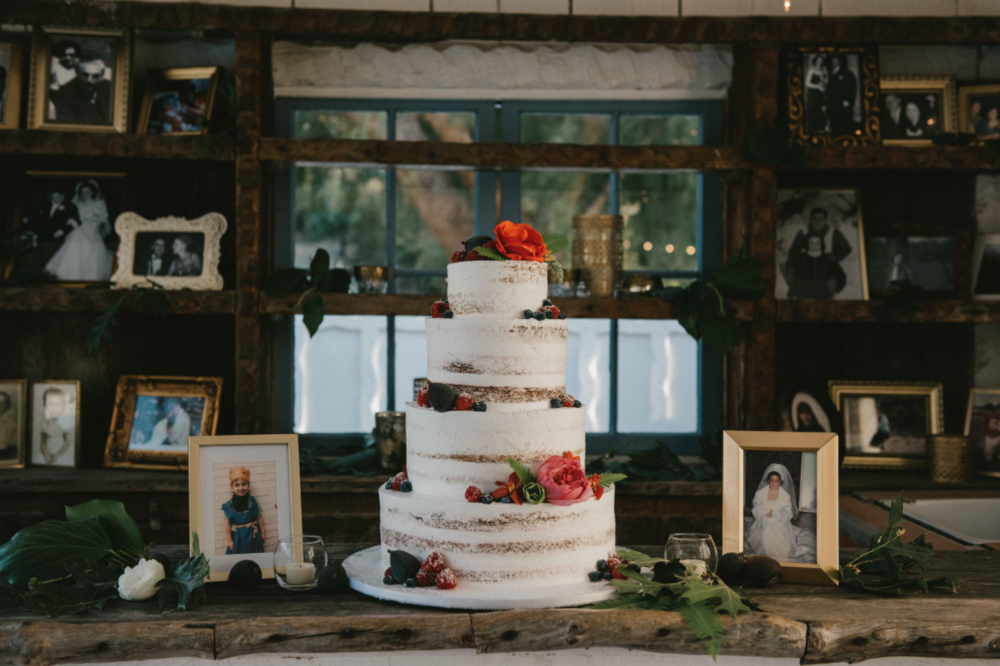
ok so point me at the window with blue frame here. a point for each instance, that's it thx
(641, 380)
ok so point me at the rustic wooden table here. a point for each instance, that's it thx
(814, 624)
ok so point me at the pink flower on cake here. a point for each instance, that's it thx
(520, 242)
(564, 481)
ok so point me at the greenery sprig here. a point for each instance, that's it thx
(533, 491)
(153, 299)
(553, 244)
(313, 283)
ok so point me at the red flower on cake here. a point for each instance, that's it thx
(520, 242)
(595, 485)
(564, 481)
(568, 455)
(512, 489)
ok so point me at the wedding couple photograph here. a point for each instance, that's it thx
(168, 254)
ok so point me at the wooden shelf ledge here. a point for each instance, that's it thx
(94, 144)
(62, 299)
(887, 311)
(902, 157)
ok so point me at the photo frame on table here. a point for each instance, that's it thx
(915, 109)
(13, 423)
(173, 252)
(979, 111)
(982, 427)
(780, 498)
(155, 417)
(10, 84)
(887, 425)
(986, 267)
(923, 265)
(820, 245)
(79, 80)
(805, 409)
(833, 95)
(222, 473)
(55, 423)
(178, 102)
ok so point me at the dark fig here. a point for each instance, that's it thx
(442, 397)
(477, 241)
(762, 571)
(162, 559)
(732, 569)
(332, 578)
(404, 565)
(668, 572)
(245, 574)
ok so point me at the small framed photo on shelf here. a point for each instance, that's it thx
(173, 252)
(13, 422)
(244, 496)
(982, 427)
(909, 264)
(820, 249)
(913, 109)
(833, 96)
(887, 424)
(801, 409)
(979, 111)
(80, 80)
(986, 267)
(179, 101)
(155, 417)
(780, 500)
(10, 84)
(55, 423)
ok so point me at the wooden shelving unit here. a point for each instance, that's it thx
(950, 312)
(91, 144)
(57, 299)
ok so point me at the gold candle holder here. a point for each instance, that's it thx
(390, 439)
(598, 253)
(372, 279)
(949, 458)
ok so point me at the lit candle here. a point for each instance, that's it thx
(695, 567)
(300, 573)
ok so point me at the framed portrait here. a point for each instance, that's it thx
(66, 216)
(55, 423)
(10, 84)
(244, 496)
(982, 426)
(905, 264)
(986, 267)
(887, 424)
(173, 252)
(913, 110)
(178, 101)
(802, 409)
(79, 80)
(979, 111)
(833, 96)
(780, 499)
(155, 417)
(820, 249)
(13, 422)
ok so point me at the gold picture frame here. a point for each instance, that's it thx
(735, 444)
(119, 452)
(933, 392)
(19, 413)
(156, 78)
(981, 466)
(808, 110)
(211, 453)
(45, 80)
(968, 120)
(908, 87)
(10, 95)
(38, 400)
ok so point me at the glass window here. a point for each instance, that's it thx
(411, 357)
(660, 130)
(550, 199)
(661, 221)
(423, 126)
(340, 125)
(435, 213)
(588, 369)
(565, 128)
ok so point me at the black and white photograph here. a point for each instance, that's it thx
(982, 426)
(805, 409)
(55, 423)
(169, 254)
(911, 116)
(986, 268)
(832, 92)
(164, 423)
(888, 420)
(979, 111)
(10, 84)
(902, 264)
(70, 217)
(819, 248)
(179, 101)
(779, 502)
(13, 422)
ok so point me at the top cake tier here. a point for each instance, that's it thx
(497, 289)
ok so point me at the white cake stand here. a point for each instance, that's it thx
(365, 571)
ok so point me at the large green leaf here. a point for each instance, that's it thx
(704, 622)
(186, 583)
(319, 268)
(42, 551)
(93, 587)
(716, 594)
(124, 533)
(313, 310)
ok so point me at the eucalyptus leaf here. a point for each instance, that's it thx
(122, 530)
(313, 309)
(43, 550)
(319, 268)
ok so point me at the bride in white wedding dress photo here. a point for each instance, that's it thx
(777, 529)
(84, 255)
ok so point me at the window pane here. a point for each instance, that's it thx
(340, 374)
(340, 125)
(657, 377)
(451, 127)
(565, 128)
(411, 356)
(550, 199)
(588, 369)
(422, 285)
(341, 210)
(660, 130)
(661, 220)
(435, 212)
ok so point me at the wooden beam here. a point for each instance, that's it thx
(93, 144)
(56, 299)
(978, 312)
(900, 157)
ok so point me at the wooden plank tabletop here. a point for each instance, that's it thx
(812, 623)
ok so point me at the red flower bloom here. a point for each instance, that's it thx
(564, 480)
(512, 487)
(568, 455)
(520, 242)
(595, 485)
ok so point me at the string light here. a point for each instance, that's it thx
(691, 249)
(788, 5)
(647, 246)
(669, 248)
(627, 244)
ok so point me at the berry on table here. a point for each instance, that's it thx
(528, 314)
(562, 315)
(425, 578)
(551, 310)
(447, 314)
(473, 494)
(487, 499)
(602, 565)
(607, 575)
(479, 406)
(406, 487)
(410, 582)
(458, 256)
(549, 315)
(556, 403)
(423, 400)
(568, 401)
(465, 402)
(438, 309)
(595, 576)
(539, 316)
(434, 563)
(546, 302)
(388, 580)
(446, 580)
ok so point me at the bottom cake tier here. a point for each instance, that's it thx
(490, 544)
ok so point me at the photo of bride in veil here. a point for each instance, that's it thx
(780, 507)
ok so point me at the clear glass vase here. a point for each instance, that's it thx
(298, 561)
(696, 551)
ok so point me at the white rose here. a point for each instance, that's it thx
(138, 583)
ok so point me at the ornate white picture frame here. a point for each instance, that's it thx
(173, 252)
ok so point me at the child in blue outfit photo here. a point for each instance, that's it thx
(246, 521)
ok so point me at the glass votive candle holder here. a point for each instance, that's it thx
(298, 561)
(697, 552)
(372, 279)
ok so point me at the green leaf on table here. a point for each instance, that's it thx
(121, 528)
(57, 599)
(313, 309)
(636, 583)
(555, 242)
(286, 281)
(490, 253)
(608, 479)
(186, 582)
(43, 550)
(319, 268)
(703, 620)
(623, 602)
(523, 471)
(639, 559)
(716, 594)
